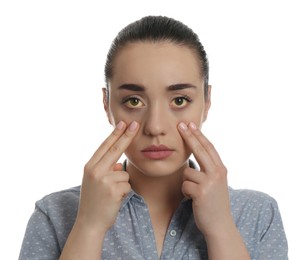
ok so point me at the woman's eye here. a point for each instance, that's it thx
(133, 102)
(180, 102)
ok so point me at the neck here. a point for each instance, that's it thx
(158, 191)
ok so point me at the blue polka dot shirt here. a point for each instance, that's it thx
(255, 214)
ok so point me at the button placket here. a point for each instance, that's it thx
(173, 233)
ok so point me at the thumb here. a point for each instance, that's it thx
(118, 167)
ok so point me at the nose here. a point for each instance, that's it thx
(155, 122)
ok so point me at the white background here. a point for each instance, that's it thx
(52, 56)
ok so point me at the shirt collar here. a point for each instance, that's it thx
(132, 193)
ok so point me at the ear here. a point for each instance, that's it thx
(207, 104)
(106, 104)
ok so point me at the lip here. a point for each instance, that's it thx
(157, 152)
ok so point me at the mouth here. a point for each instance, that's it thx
(157, 152)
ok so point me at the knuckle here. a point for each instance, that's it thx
(115, 149)
(128, 134)
(116, 133)
(90, 175)
(126, 176)
(112, 138)
(185, 187)
(93, 174)
(202, 192)
(224, 170)
(105, 181)
(90, 171)
(210, 146)
(221, 173)
(87, 167)
(128, 187)
(126, 191)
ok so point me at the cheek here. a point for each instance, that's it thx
(191, 116)
(119, 114)
(132, 152)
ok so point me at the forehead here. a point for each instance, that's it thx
(163, 63)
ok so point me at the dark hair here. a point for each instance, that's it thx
(158, 28)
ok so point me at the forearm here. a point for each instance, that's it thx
(228, 244)
(83, 243)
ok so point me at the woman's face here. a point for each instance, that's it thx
(158, 85)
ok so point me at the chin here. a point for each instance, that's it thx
(157, 168)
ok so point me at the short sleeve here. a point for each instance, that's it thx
(272, 242)
(40, 241)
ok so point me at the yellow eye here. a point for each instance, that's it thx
(133, 102)
(180, 102)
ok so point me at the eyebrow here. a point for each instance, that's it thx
(180, 86)
(134, 87)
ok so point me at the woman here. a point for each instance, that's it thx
(157, 205)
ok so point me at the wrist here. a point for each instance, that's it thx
(88, 230)
(84, 242)
(220, 229)
(226, 243)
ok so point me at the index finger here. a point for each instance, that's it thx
(203, 150)
(118, 148)
(206, 144)
(108, 142)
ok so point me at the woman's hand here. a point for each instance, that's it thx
(104, 183)
(208, 189)
(103, 188)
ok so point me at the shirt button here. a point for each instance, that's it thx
(173, 233)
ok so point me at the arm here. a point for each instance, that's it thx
(103, 187)
(272, 241)
(209, 191)
(40, 240)
(83, 243)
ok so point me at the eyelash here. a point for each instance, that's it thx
(126, 99)
(186, 98)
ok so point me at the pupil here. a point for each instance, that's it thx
(134, 102)
(179, 101)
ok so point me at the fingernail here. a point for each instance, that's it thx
(193, 126)
(183, 126)
(133, 126)
(120, 125)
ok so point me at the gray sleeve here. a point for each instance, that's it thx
(272, 242)
(40, 240)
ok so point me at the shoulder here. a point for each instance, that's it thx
(252, 203)
(60, 202)
(249, 197)
(255, 210)
(258, 219)
(50, 224)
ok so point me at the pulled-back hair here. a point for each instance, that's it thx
(155, 29)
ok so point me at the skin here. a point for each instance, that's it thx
(159, 114)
